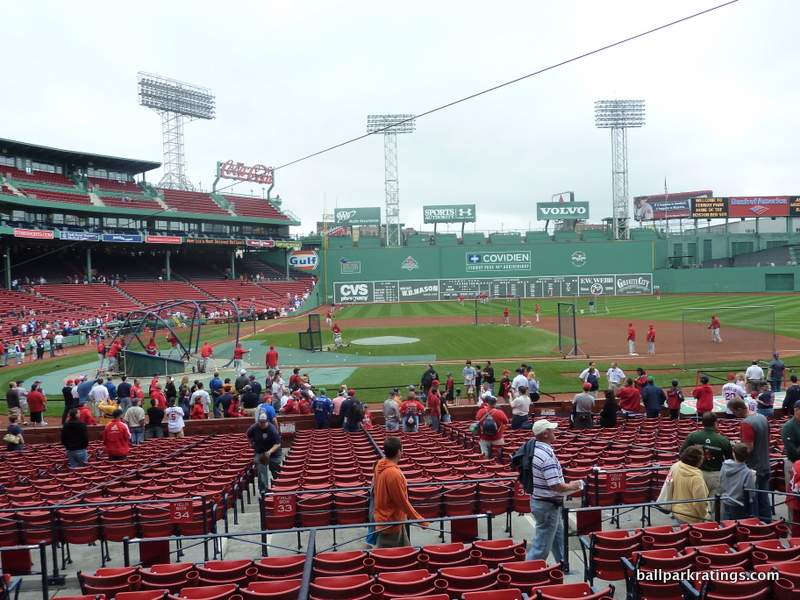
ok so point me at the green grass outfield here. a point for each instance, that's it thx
(669, 308)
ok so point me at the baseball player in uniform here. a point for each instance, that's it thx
(537, 310)
(651, 340)
(329, 318)
(505, 317)
(714, 327)
(632, 340)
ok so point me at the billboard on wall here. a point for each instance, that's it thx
(358, 216)
(748, 206)
(449, 213)
(497, 287)
(666, 206)
(551, 211)
(305, 260)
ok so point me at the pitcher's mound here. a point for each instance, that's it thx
(385, 340)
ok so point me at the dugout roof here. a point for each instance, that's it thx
(78, 159)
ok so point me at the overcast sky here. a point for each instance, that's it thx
(294, 77)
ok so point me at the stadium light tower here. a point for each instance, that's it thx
(177, 103)
(390, 126)
(618, 116)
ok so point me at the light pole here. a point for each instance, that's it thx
(390, 126)
(618, 116)
(177, 102)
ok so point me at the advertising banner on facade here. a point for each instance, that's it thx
(770, 206)
(453, 213)
(114, 237)
(79, 236)
(261, 243)
(358, 216)
(498, 261)
(305, 260)
(551, 211)
(33, 233)
(163, 239)
(666, 206)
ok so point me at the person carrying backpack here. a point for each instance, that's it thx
(410, 412)
(492, 423)
(352, 412)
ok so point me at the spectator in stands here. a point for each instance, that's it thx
(203, 396)
(124, 393)
(687, 485)
(175, 424)
(241, 381)
(704, 394)
(488, 439)
(37, 404)
(410, 412)
(608, 414)
(155, 419)
(716, 450)
(75, 439)
(14, 429)
(117, 438)
(756, 436)
(630, 401)
(583, 404)
(135, 419)
(391, 496)
(255, 386)
(69, 401)
(520, 407)
(266, 442)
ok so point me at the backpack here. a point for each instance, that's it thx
(489, 425)
(356, 412)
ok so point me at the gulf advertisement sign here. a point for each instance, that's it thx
(305, 260)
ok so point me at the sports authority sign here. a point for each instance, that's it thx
(305, 260)
(498, 261)
(455, 213)
(256, 173)
(358, 216)
(550, 211)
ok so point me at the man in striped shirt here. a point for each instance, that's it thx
(548, 494)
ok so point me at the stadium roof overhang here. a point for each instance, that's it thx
(78, 159)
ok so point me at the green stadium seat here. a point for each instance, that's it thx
(474, 239)
(339, 241)
(499, 239)
(599, 235)
(644, 234)
(369, 241)
(537, 237)
(566, 236)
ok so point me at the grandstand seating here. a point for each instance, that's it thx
(192, 202)
(536, 237)
(599, 235)
(505, 238)
(644, 233)
(566, 236)
(44, 177)
(446, 239)
(247, 293)
(282, 288)
(369, 241)
(10, 300)
(101, 184)
(260, 208)
(418, 240)
(94, 296)
(340, 241)
(54, 196)
(154, 292)
(135, 202)
(474, 239)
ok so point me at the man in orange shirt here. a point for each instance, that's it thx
(391, 497)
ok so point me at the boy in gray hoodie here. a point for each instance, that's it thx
(734, 477)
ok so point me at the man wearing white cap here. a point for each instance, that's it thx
(548, 491)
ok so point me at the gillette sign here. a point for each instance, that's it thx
(358, 216)
(551, 211)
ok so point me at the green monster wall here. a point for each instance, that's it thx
(530, 270)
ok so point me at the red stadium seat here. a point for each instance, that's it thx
(281, 567)
(571, 591)
(346, 587)
(403, 583)
(286, 589)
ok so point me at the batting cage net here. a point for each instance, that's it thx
(727, 333)
(498, 311)
(568, 330)
(311, 338)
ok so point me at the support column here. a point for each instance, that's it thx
(169, 269)
(7, 265)
(233, 266)
(286, 254)
(89, 277)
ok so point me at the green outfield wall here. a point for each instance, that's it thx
(719, 281)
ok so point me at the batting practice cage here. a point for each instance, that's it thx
(311, 338)
(747, 334)
(568, 331)
(492, 311)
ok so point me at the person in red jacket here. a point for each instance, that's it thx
(435, 405)
(151, 347)
(631, 340)
(235, 409)
(641, 379)
(272, 358)
(410, 412)
(198, 411)
(207, 353)
(304, 405)
(37, 404)
(238, 356)
(112, 354)
(292, 407)
(630, 400)
(117, 437)
(137, 391)
(704, 394)
(157, 395)
(85, 415)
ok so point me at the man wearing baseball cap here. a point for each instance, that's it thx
(777, 371)
(487, 439)
(583, 405)
(69, 401)
(544, 480)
